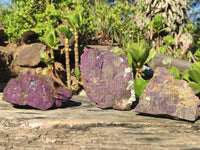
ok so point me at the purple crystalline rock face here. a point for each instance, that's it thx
(165, 95)
(35, 90)
(61, 96)
(107, 79)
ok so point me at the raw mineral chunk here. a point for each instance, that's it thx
(107, 79)
(165, 95)
(35, 90)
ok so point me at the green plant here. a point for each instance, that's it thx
(157, 25)
(190, 28)
(44, 57)
(35, 15)
(65, 31)
(138, 55)
(197, 53)
(192, 76)
(170, 42)
(50, 39)
(111, 24)
(139, 85)
(77, 74)
(162, 49)
(175, 71)
(75, 19)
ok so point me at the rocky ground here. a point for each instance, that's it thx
(80, 125)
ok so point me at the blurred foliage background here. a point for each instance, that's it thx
(172, 26)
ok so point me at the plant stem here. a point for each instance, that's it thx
(173, 51)
(183, 52)
(157, 42)
(192, 57)
(67, 61)
(138, 36)
(52, 54)
(76, 55)
(57, 79)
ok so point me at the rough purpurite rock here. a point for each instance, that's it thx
(107, 79)
(165, 95)
(35, 90)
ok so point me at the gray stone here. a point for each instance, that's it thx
(28, 55)
(5, 62)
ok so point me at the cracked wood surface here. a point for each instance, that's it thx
(80, 125)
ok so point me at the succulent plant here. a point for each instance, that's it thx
(175, 71)
(192, 76)
(65, 31)
(75, 19)
(51, 40)
(45, 59)
(138, 55)
(139, 85)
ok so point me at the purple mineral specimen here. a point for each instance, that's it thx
(107, 79)
(35, 90)
(165, 95)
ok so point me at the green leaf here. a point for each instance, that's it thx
(165, 29)
(130, 60)
(144, 53)
(44, 72)
(196, 66)
(139, 85)
(192, 76)
(197, 55)
(64, 30)
(75, 19)
(77, 74)
(157, 23)
(50, 39)
(185, 75)
(138, 52)
(195, 86)
(162, 49)
(152, 54)
(195, 75)
(44, 58)
(169, 40)
(175, 71)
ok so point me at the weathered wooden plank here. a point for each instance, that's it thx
(80, 125)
